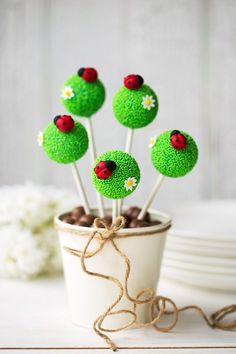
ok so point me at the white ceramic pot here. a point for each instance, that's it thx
(89, 296)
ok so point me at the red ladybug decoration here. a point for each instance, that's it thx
(177, 140)
(104, 169)
(133, 82)
(88, 74)
(64, 123)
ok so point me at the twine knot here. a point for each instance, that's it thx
(110, 230)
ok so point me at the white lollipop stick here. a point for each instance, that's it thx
(93, 156)
(80, 187)
(151, 197)
(128, 147)
(114, 209)
(129, 140)
(120, 205)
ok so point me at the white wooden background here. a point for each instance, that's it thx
(185, 49)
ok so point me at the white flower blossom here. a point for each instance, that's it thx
(40, 138)
(152, 141)
(130, 183)
(28, 241)
(67, 93)
(148, 102)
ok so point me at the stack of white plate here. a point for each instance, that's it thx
(201, 246)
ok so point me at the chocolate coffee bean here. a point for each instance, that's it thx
(87, 218)
(78, 212)
(82, 223)
(107, 219)
(127, 219)
(68, 219)
(147, 217)
(133, 213)
(138, 223)
(78, 217)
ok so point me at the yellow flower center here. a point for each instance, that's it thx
(130, 182)
(67, 93)
(147, 102)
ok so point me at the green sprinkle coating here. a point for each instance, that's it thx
(170, 161)
(65, 147)
(123, 180)
(85, 98)
(135, 108)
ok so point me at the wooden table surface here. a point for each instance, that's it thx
(34, 319)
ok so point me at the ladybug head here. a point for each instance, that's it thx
(64, 123)
(133, 82)
(88, 74)
(80, 72)
(56, 119)
(104, 169)
(177, 140)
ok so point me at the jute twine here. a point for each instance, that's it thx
(157, 305)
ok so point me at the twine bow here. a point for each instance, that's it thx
(157, 305)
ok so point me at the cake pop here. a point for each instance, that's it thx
(82, 95)
(66, 141)
(115, 174)
(174, 154)
(135, 105)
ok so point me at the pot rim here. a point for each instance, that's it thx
(163, 217)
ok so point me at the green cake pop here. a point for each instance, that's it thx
(135, 105)
(83, 94)
(65, 141)
(115, 174)
(65, 147)
(174, 154)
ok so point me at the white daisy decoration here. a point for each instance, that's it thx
(67, 93)
(40, 138)
(148, 102)
(130, 183)
(152, 141)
